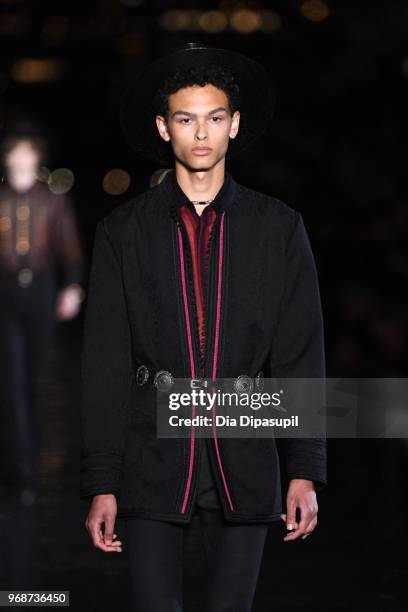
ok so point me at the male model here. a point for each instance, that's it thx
(198, 278)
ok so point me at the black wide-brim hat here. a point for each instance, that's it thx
(137, 112)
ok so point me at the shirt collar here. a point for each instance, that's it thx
(171, 188)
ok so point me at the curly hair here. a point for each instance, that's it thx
(206, 74)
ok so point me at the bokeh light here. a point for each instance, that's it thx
(245, 21)
(212, 22)
(314, 10)
(61, 180)
(175, 20)
(33, 70)
(194, 20)
(116, 182)
(43, 174)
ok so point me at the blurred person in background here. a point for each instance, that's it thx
(41, 266)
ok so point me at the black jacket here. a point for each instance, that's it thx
(264, 315)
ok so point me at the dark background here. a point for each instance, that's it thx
(335, 151)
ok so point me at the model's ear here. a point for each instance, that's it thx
(235, 124)
(162, 127)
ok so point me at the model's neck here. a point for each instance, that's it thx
(200, 185)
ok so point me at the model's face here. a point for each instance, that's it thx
(198, 117)
(22, 164)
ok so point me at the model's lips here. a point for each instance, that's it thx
(201, 151)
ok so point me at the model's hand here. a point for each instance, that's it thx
(103, 513)
(68, 302)
(301, 494)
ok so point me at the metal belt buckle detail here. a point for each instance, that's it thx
(163, 380)
(243, 384)
(259, 381)
(142, 375)
(198, 383)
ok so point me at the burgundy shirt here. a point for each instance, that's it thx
(199, 228)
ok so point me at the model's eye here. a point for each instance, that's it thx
(219, 119)
(185, 119)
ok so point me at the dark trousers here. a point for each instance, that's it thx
(26, 325)
(233, 559)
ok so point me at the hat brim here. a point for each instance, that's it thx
(137, 113)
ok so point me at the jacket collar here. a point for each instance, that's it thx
(176, 196)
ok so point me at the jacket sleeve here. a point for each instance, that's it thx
(106, 372)
(298, 347)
